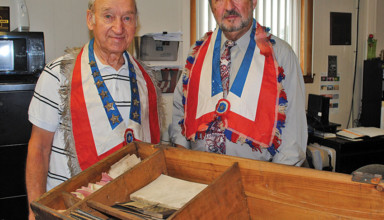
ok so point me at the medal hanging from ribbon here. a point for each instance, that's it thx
(129, 137)
(215, 138)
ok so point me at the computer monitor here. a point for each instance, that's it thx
(318, 109)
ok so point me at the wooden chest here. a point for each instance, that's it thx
(238, 188)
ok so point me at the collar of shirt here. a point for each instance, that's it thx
(107, 69)
(241, 43)
(237, 53)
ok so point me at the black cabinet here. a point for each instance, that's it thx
(351, 155)
(15, 130)
(372, 93)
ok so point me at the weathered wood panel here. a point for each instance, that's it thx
(272, 191)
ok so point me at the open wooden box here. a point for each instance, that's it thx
(238, 188)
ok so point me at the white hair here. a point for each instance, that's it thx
(91, 4)
(91, 7)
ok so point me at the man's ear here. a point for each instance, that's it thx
(90, 19)
(254, 3)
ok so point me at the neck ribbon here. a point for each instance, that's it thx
(109, 104)
(241, 76)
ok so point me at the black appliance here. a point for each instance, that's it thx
(21, 62)
(15, 130)
(318, 114)
(372, 93)
(318, 108)
(22, 53)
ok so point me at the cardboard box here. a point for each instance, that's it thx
(238, 188)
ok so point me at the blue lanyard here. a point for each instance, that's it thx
(238, 84)
(109, 104)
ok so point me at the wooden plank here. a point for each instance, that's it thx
(138, 177)
(192, 23)
(223, 198)
(43, 212)
(111, 211)
(54, 198)
(318, 191)
(273, 210)
(186, 164)
(273, 191)
(145, 150)
(315, 191)
(69, 199)
(119, 189)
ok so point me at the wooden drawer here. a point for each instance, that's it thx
(238, 188)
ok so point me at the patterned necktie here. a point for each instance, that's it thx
(215, 138)
(225, 65)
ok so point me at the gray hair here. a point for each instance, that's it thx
(91, 5)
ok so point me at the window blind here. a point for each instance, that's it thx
(281, 16)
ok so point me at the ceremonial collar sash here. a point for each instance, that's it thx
(238, 84)
(97, 126)
(251, 110)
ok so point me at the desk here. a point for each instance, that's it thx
(351, 155)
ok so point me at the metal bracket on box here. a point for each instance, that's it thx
(374, 179)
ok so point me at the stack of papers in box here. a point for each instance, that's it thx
(168, 192)
(123, 165)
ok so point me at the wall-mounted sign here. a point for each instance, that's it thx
(4, 19)
(341, 28)
(332, 66)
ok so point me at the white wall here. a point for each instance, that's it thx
(370, 21)
(345, 54)
(156, 16)
(63, 23)
(172, 16)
